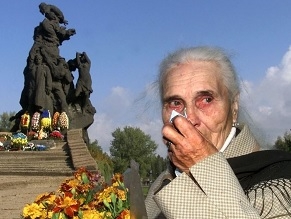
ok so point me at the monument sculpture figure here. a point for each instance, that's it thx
(48, 79)
(84, 82)
(42, 80)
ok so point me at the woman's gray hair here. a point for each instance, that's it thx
(203, 53)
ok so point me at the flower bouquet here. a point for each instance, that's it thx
(57, 135)
(5, 140)
(18, 141)
(85, 196)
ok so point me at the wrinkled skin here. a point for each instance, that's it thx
(197, 88)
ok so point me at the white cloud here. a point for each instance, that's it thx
(286, 66)
(269, 101)
(101, 130)
(117, 103)
(267, 110)
(272, 72)
(153, 128)
(121, 108)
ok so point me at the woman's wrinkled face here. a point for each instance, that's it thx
(197, 88)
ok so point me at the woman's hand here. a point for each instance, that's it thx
(188, 146)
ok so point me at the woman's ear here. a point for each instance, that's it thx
(234, 107)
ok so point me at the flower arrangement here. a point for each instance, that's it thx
(46, 121)
(63, 121)
(55, 120)
(25, 120)
(56, 134)
(32, 135)
(35, 121)
(85, 196)
(40, 125)
(18, 140)
(5, 137)
(4, 141)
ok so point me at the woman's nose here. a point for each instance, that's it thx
(192, 116)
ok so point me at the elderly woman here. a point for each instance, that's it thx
(213, 171)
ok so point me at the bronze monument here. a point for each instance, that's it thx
(50, 99)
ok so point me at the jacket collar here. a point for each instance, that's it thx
(243, 143)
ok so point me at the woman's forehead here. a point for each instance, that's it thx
(194, 74)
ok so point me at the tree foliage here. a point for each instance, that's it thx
(284, 143)
(159, 164)
(132, 143)
(5, 123)
(103, 160)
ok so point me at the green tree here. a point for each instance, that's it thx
(103, 160)
(158, 164)
(284, 143)
(132, 143)
(5, 123)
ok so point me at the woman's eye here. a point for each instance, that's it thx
(208, 99)
(203, 102)
(176, 105)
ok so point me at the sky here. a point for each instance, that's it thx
(126, 40)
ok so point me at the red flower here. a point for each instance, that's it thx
(125, 214)
(66, 203)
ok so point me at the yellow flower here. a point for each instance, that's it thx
(46, 122)
(50, 214)
(32, 211)
(105, 194)
(117, 178)
(51, 199)
(115, 184)
(76, 195)
(92, 214)
(121, 194)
